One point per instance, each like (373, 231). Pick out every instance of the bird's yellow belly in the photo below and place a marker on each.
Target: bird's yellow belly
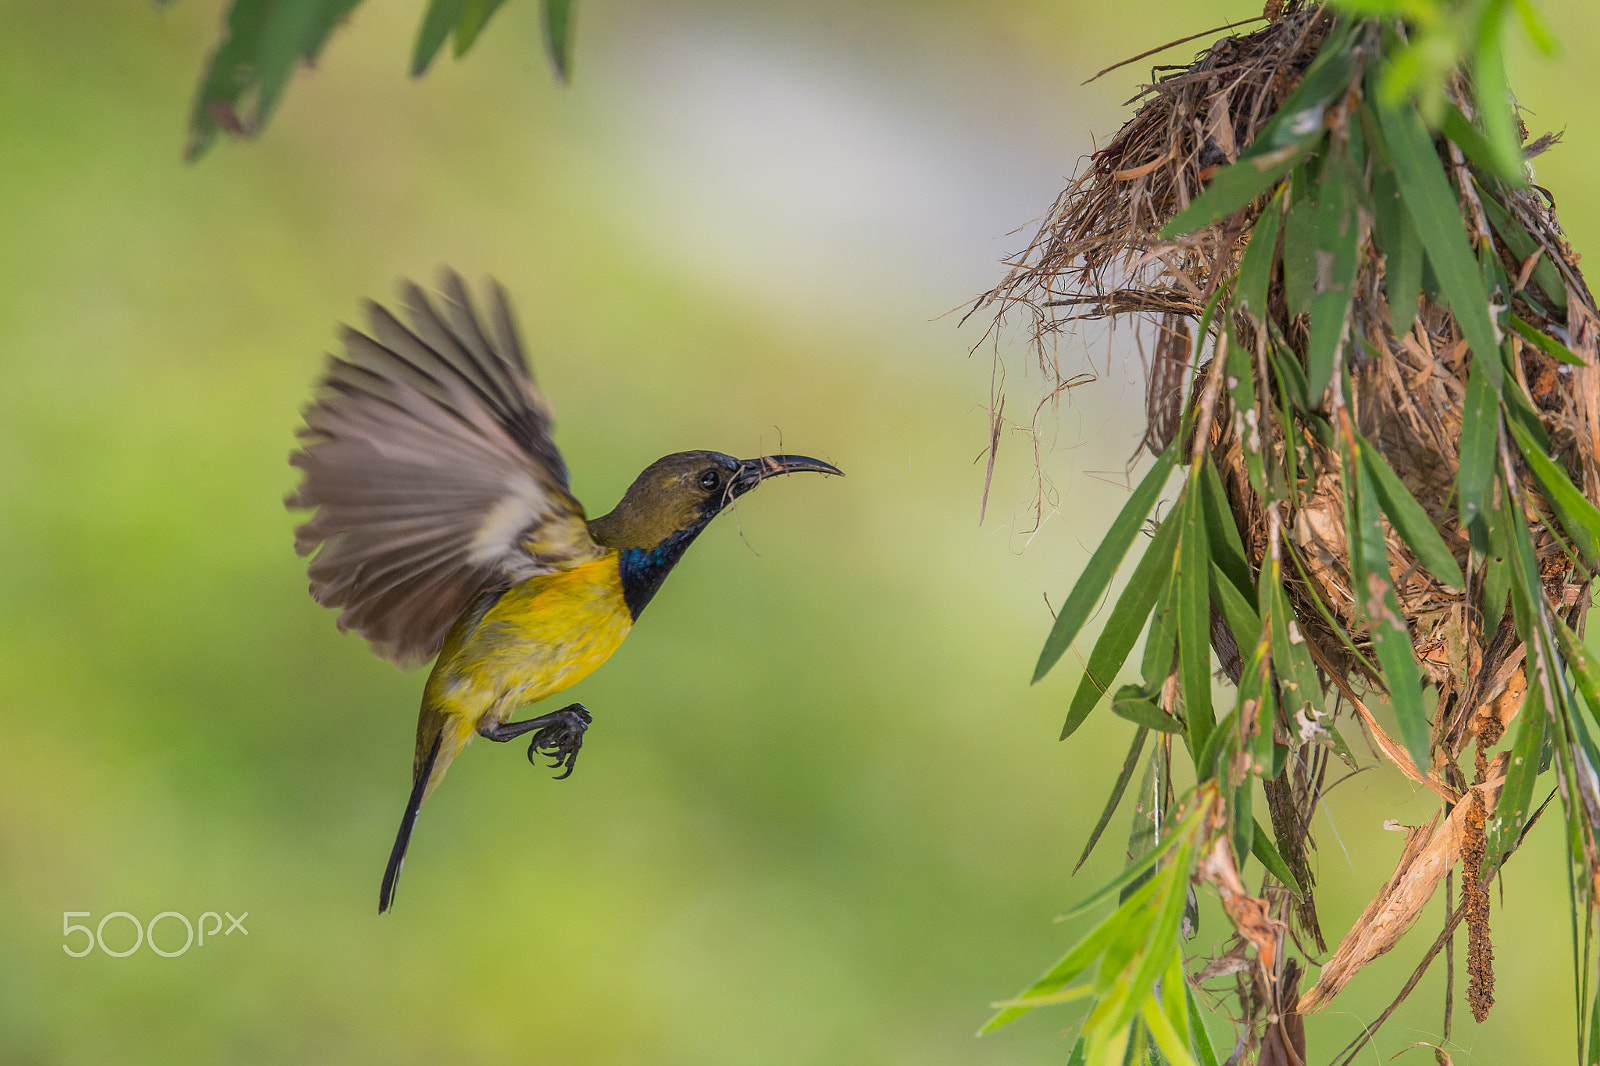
(542, 636)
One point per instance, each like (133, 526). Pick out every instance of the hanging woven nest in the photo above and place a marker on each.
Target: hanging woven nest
(1372, 348)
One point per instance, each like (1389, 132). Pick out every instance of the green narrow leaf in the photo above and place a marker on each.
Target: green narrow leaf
(1103, 563)
(1297, 675)
(1516, 795)
(1122, 628)
(1546, 343)
(1194, 614)
(1583, 666)
(1472, 142)
(1294, 132)
(1519, 408)
(1480, 420)
(1398, 240)
(1333, 283)
(1135, 705)
(1161, 641)
(1546, 279)
(1129, 764)
(472, 21)
(1233, 187)
(1300, 244)
(1237, 611)
(1205, 761)
(434, 29)
(557, 20)
(1135, 870)
(1222, 532)
(1577, 515)
(1333, 624)
(1162, 942)
(1492, 94)
(1409, 519)
(1244, 823)
(1255, 269)
(1431, 202)
(1198, 1037)
(1149, 813)
(1265, 850)
(1387, 626)
(1165, 1034)
(1246, 417)
(1074, 962)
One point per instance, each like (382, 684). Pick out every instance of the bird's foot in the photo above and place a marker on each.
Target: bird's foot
(562, 738)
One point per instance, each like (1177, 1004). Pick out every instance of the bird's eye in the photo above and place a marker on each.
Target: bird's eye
(710, 480)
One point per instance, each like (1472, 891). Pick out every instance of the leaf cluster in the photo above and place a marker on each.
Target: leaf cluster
(265, 40)
(1385, 418)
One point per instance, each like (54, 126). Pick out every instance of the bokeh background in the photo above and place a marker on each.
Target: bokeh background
(822, 818)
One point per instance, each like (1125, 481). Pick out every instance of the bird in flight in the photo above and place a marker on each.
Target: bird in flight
(443, 528)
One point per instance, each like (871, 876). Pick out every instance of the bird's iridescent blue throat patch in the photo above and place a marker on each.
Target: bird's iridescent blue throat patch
(644, 569)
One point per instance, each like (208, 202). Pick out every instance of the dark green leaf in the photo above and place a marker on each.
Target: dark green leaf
(1471, 140)
(1297, 675)
(1519, 409)
(1300, 241)
(434, 29)
(1263, 848)
(1103, 563)
(1294, 132)
(1577, 515)
(1089, 949)
(1198, 1037)
(1480, 419)
(1493, 96)
(1140, 709)
(1546, 343)
(1222, 532)
(1161, 641)
(472, 21)
(1237, 611)
(1194, 614)
(1234, 186)
(1431, 202)
(1246, 416)
(1387, 626)
(1135, 870)
(1129, 764)
(249, 70)
(1333, 283)
(1255, 269)
(1516, 795)
(1582, 664)
(557, 18)
(1333, 624)
(1221, 737)
(1242, 822)
(1402, 250)
(1546, 278)
(1122, 629)
(1410, 520)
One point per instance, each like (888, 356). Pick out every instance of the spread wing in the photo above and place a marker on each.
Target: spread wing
(428, 460)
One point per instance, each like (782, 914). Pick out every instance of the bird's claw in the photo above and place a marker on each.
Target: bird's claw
(561, 740)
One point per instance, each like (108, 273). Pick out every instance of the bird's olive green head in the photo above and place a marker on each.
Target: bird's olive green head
(668, 505)
(682, 492)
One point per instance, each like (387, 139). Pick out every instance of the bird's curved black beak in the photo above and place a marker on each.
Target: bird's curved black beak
(752, 472)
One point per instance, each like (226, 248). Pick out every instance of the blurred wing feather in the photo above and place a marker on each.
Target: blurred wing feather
(428, 460)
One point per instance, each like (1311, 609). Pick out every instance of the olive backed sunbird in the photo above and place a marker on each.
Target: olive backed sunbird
(444, 526)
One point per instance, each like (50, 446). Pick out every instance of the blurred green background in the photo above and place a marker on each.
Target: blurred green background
(822, 817)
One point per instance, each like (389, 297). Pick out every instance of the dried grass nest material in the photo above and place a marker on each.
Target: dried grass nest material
(1098, 255)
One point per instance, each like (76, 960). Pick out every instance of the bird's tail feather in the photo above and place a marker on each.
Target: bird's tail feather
(419, 790)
